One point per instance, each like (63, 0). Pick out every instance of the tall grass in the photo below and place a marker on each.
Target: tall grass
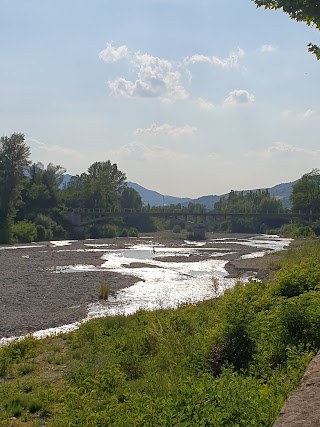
(104, 291)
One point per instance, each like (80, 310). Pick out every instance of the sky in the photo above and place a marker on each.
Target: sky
(187, 97)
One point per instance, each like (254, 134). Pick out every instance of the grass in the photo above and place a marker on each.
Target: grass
(230, 361)
(104, 291)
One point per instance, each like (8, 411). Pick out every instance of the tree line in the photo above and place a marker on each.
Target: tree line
(33, 199)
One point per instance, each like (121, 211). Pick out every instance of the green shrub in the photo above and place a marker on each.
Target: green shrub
(93, 232)
(295, 231)
(176, 229)
(24, 231)
(132, 232)
(41, 233)
(124, 232)
(293, 280)
(300, 319)
(110, 231)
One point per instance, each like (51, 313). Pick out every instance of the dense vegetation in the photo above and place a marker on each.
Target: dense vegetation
(33, 200)
(230, 361)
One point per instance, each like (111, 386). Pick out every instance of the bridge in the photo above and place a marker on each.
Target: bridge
(79, 217)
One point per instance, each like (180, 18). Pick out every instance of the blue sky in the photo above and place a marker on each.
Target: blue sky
(188, 97)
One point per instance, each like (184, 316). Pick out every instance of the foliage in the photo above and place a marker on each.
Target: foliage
(307, 11)
(132, 232)
(176, 228)
(23, 232)
(14, 157)
(104, 291)
(258, 202)
(109, 231)
(130, 199)
(305, 196)
(295, 231)
(41, 233)
(100, 187)
(124, 232)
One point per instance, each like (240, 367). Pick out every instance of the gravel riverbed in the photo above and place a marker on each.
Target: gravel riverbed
(33, 297)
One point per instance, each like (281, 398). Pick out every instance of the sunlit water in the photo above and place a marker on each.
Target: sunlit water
(161, 284)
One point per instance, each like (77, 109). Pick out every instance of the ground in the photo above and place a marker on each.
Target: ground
(33, 298)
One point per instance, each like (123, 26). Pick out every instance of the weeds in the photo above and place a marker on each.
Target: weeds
(104, 291)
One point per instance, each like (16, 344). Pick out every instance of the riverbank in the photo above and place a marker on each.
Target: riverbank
(33, 297)
(226, 361)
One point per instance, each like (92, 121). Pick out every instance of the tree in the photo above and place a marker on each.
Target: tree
(41, 191)
(14, 158)
(307, 11)
(106, 182)
(101, 187)
(130, 199)
(305, 196)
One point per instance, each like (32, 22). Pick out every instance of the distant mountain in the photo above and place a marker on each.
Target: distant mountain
(156, 199)
(153, 198)
(280, 191)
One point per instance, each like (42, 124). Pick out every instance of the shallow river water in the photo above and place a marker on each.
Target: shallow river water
(165, 281)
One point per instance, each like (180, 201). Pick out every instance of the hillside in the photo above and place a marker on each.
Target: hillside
(153, 198)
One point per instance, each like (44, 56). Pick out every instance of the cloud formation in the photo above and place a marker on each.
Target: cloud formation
(204, 104)
(231, 61)
(157, 77)
(111, 54)
(282, 148)
(239, 97)
(302, 115)
(166, 129)
(54, 148)
(268, 48)
(137, 151)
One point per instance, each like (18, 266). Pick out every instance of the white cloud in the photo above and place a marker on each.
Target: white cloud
(204, 104)
(302, 115)
(239, 97)
(268, 48)
(166, 129)
(137, 151)
(231, 61)
(54, 148)
(111, 54)
(282, 148)
(157, 77)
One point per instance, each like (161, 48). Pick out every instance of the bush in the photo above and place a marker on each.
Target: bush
(132, 232)
(300, 318)
(41, 233)
(93, 232)
(295, 231)
(110, 231)
(124, 232)
(176, 229)
(24, 231)
(53, 230)
(296, 279)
